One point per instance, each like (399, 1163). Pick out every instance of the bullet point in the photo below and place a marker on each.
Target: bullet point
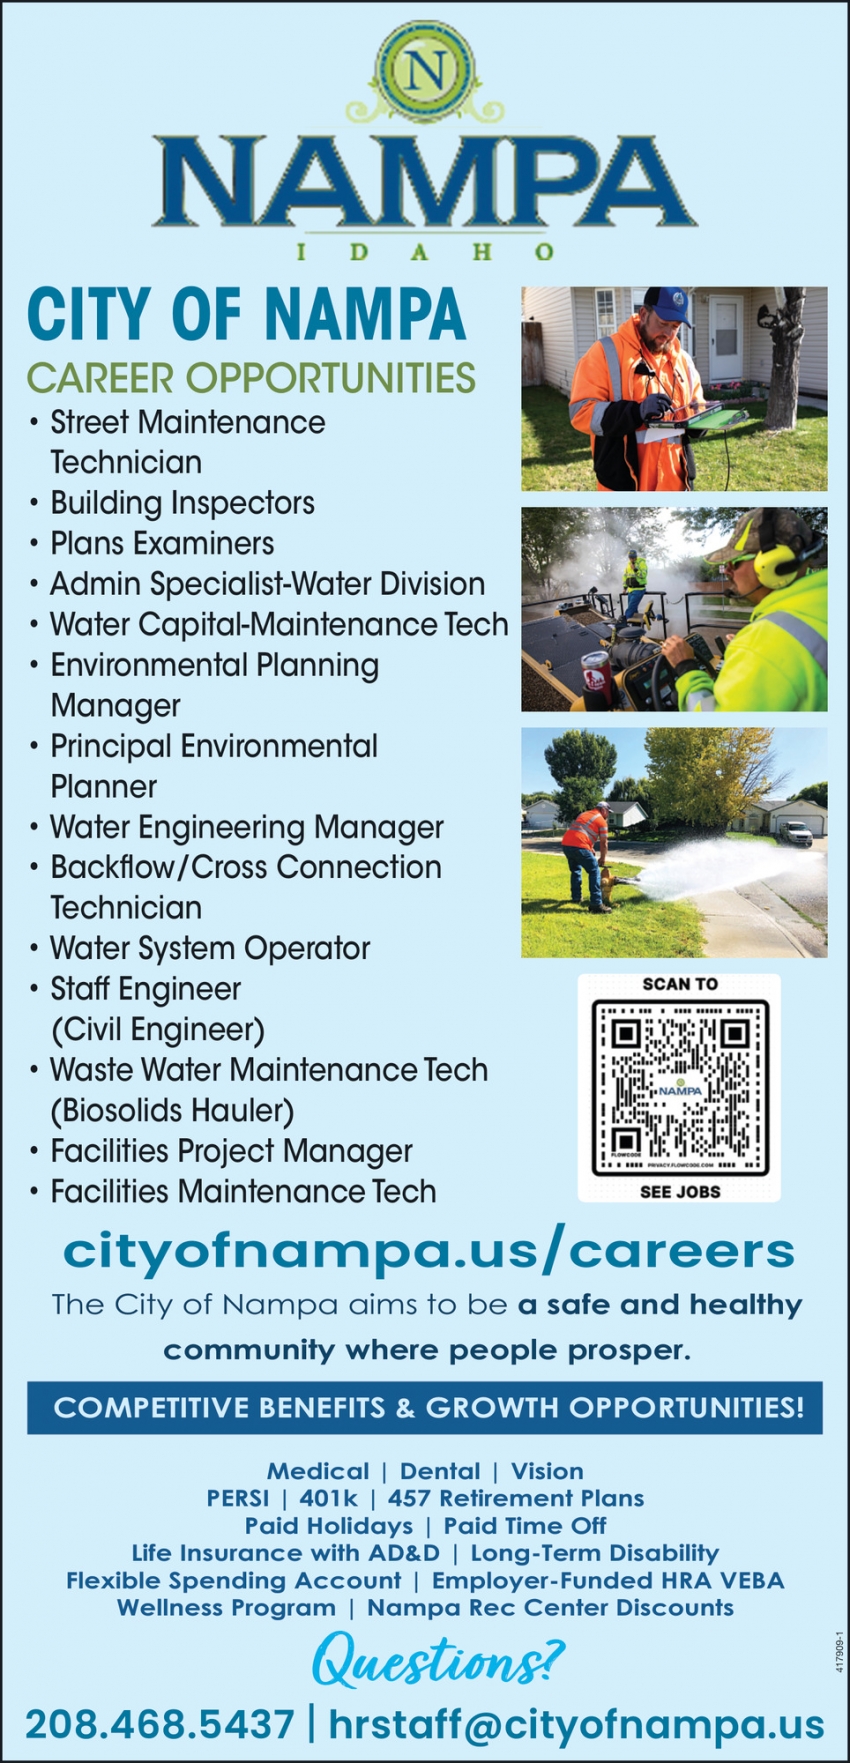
(33, 1068)
(33, 945)
(33, 743)
(33, 866)
(33, 581)
(33, 826)
(33, 1150)
(33, 988)
(33, 1190)
(33, 541)
(33, 623)
(34, 422)
(33, 664)
(33, 501)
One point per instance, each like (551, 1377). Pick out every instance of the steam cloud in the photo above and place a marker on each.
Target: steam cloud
(582, 570)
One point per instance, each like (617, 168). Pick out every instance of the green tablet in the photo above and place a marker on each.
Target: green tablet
(718, 419)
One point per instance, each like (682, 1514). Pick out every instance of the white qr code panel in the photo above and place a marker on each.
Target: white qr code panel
(678, 1095)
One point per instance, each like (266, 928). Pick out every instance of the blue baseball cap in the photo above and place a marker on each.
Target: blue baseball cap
(669, 304)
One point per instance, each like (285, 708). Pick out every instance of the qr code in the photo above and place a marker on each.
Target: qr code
(678, 1090)
(681, 1087)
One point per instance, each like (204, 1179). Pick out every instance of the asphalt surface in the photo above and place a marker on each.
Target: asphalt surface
(801, 889)
(769, 919)
(804, 882)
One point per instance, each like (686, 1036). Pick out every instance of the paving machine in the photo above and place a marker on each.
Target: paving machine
(641, 677)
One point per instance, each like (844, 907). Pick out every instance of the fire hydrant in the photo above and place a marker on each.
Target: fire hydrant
(610, 881)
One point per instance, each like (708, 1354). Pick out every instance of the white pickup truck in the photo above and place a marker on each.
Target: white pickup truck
(794, 832)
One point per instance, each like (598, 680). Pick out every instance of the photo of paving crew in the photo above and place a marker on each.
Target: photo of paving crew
(634, 585)
(779, 660)
(741, 625)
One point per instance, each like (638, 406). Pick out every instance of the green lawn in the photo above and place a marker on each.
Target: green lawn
(552, 926)
(555, 456)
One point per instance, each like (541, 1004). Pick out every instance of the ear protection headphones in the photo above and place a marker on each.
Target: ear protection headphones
(774, 567)
(776, 563)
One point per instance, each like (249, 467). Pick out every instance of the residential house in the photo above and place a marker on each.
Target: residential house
(540, 816)
(768, 815)
(622, 814)
(726, 340)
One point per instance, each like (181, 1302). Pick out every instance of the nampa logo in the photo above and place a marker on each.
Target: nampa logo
(425, 71)
(679, 1089)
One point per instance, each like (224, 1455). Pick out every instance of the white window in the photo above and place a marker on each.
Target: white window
(606, 321)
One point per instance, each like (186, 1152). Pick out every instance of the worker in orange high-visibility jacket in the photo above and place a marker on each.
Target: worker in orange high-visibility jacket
(624, 392)
(578, 842)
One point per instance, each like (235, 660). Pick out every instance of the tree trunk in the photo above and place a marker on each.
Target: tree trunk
(787, 335)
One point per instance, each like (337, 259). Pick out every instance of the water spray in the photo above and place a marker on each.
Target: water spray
(703, 866)
(707, 866)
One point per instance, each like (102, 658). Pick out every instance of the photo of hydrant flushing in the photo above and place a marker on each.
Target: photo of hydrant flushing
(684, 612)
(671, 841)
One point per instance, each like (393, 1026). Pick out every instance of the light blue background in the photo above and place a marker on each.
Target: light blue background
(747, 110)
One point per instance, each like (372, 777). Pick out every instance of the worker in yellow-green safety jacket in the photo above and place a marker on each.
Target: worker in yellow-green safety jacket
(778, 661)
(634, 587)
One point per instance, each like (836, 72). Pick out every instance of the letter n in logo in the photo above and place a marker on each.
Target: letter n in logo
(425, 71)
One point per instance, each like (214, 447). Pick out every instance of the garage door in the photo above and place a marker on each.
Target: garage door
(814, 822)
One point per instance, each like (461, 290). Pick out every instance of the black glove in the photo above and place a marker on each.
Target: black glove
(657, 404)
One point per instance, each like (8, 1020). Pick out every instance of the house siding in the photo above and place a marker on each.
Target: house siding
(699, 346)
(553, 308)
(541, 816)
(632, 816)
(814, 355)
(758, 355)
(813, 352)
(585, 314)
(585, 319)
(568, 317)
(769, 820)
(800, 809)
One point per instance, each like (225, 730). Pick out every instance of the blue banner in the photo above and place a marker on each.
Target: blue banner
(717, 1409)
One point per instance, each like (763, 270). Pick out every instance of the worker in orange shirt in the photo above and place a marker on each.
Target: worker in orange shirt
(578, 842)
(624, 391)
